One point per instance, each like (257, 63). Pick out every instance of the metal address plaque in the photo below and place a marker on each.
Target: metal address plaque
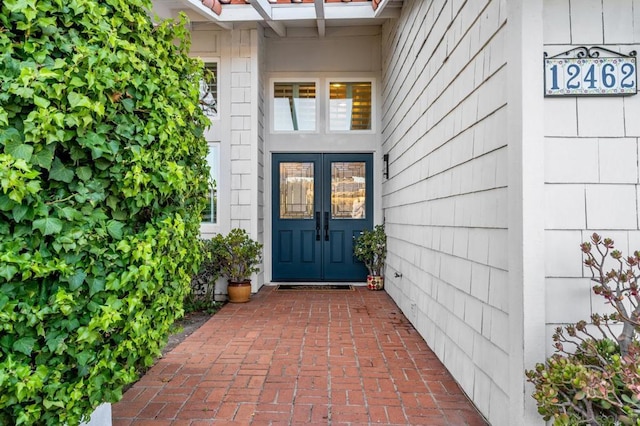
(584, 72)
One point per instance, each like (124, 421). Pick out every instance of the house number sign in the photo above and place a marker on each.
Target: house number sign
(588, 72)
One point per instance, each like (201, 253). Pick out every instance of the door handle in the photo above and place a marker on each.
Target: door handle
(326, 226)
(317, 226)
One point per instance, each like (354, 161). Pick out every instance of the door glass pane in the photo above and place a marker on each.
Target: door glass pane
(296, 191)
(349, 106)
(348, 190)
(294, 106)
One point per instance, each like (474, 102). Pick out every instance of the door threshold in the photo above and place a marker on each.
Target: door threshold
(315, 283)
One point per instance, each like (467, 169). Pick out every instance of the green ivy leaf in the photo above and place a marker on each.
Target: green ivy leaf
(78, 100)
(76, 280)
(7, 271)
(96, 286)
(48, 226)
(69, 213)
(60, 172)
(19, 211)
(54, 340)
(114, 228)
(24, 345)
(41, 102)
(84, 173)
(44, 157)
(12, 141)
(6, 203)
(19, 150)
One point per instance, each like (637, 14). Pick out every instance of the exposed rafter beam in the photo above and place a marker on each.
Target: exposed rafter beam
(319, 8)
(319, 4)
(263, 7)
(202, 10)
(321, 27)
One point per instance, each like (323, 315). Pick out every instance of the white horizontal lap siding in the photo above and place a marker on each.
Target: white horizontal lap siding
(443, 118)
(591, 158)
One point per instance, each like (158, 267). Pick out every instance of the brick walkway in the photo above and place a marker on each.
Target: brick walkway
(286, 358)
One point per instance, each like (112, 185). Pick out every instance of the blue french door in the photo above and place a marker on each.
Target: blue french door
(320, 203)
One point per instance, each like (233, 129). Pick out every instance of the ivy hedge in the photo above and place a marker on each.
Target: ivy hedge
(102, 181)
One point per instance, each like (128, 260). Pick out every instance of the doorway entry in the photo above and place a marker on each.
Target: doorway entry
(320, 203)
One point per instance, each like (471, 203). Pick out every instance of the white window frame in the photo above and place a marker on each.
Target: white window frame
(294, 80)
(208, 225)
(327, 108)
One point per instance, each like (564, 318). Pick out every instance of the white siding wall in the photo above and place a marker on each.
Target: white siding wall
(591, 158)
(260, 127)
(247, 143)
(239, 129)
(445, 203)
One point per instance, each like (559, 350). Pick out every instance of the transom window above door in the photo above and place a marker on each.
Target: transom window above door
(323, 105)
(294, 107)
(349, 106)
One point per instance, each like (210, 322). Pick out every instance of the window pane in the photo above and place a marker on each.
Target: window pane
(210, 212)
(294, 106)
(348, 184)
(296, 190)
(349, 106)
(209, 90)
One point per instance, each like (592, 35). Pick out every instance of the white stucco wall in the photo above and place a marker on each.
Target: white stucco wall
(591, 158)
(444, 126)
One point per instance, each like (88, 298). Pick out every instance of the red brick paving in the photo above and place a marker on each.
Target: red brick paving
(312, 358)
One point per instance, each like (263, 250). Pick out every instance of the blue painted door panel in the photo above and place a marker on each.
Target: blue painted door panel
(320, 203)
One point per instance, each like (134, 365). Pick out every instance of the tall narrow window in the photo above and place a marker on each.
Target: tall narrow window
(209, 90)
(210, 213)
(294, 107)
(349, 106)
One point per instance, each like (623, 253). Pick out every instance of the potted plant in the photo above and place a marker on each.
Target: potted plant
(371, 248)
(239, 256)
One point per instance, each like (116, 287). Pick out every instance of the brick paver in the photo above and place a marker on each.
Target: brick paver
(287, 358)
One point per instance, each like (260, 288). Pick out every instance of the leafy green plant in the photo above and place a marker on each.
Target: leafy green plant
(201, 296)
(371, 248)
(594, 376)
(102, 183)
(239, 254)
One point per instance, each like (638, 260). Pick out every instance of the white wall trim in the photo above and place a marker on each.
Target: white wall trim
(526, 201)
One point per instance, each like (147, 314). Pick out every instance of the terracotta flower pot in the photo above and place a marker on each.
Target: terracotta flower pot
(239, 292)
(375, 282)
